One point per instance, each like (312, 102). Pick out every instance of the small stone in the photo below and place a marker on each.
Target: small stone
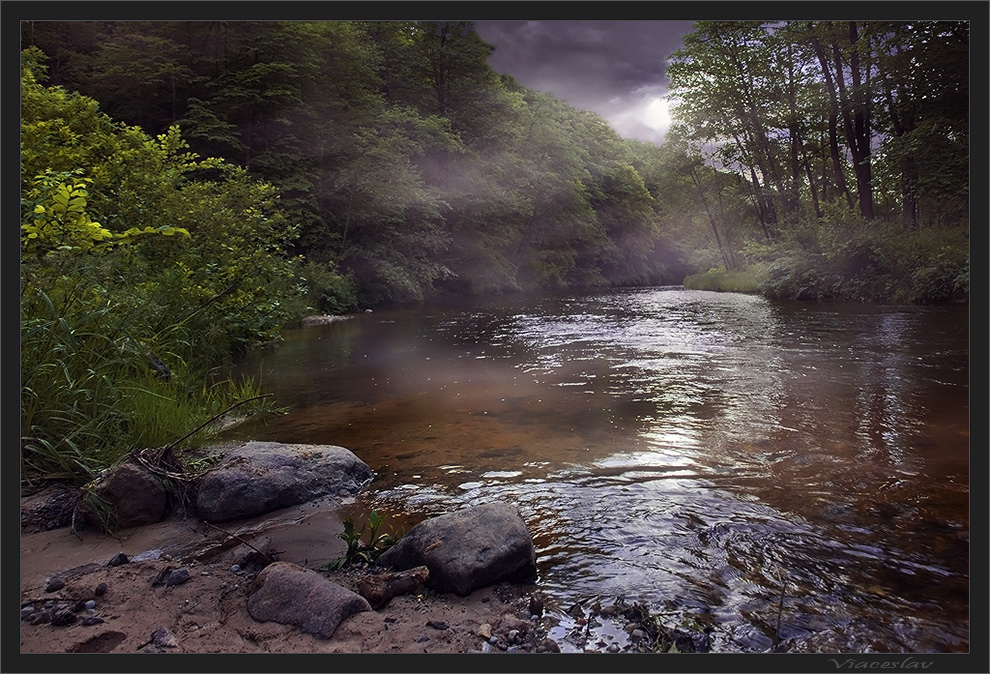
(550, 645)
(436, 624)
(485, 631)
(100, 590)
(235, 568)
(512, 649)
(54, 585)
(79, 606)
(147, 556)
(638, 634)
(26, 612)
(613, 648)
(118, 559)
(177, 577)
(513, 636)
(40, 618)
(493, 640)
(89, 621)
(163, 638)
(90, 604)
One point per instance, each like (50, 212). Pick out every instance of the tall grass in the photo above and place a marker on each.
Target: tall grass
(89, 395)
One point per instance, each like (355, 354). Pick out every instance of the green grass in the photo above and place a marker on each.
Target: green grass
(723, 280)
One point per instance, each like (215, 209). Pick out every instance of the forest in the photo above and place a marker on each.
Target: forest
(189, 189)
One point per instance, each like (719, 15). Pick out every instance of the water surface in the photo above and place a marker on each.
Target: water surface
(701, 452)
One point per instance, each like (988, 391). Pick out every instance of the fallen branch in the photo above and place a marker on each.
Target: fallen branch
(267, 557)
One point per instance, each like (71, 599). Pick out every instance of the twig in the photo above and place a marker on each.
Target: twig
(780, 609)
(215, 417)
(265, 555)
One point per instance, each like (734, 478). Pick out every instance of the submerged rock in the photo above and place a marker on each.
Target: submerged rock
(468, 549)
(260, 477)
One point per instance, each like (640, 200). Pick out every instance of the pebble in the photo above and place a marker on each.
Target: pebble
(613, 648)
(234, 568)
(493, 640)
(163, 638)
(90, 604)
(177, 577)
(26, 612)
(118, 559)
(54, 585)
(88, 621)
(100, 590)
(513, 636)
(485, 631)
(147, 556)
(638, 634)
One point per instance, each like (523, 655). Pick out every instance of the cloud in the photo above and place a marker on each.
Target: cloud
(614, 68)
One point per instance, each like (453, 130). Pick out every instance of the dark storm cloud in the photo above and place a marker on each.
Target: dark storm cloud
(614, 68)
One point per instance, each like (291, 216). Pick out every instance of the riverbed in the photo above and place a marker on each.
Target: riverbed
(783, 471)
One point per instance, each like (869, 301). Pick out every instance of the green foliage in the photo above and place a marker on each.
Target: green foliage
(328, 292)
(140, 261)
(359, 551)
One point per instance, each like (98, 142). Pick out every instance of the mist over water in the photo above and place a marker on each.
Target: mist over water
(694, 450)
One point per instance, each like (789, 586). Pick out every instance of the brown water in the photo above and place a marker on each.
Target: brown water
(689, 449)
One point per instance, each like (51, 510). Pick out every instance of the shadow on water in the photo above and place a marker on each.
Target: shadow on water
(684, 448)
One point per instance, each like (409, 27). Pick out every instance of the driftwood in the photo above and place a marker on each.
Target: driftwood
(380, 588)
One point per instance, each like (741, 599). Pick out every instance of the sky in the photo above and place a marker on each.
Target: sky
(614, 68)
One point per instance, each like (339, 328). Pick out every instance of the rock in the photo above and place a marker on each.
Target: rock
(437, 624)
(380, 588)
(118, 559)
(536, 602)
(468, 549)
(163, 638)
(135, 496)
(54, 585)
(259, 477)
(148, 556)
(292, 595)
(485, 631)
(100, 590)
(177, 577)
(549, 646)
(511, 623)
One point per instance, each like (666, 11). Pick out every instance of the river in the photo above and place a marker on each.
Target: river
(714, 454)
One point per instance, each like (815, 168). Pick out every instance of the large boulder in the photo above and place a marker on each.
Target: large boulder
(259, 477)
(468, 549)
(133, 497)
(292, 595)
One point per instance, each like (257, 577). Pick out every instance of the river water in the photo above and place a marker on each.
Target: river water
(788, 471)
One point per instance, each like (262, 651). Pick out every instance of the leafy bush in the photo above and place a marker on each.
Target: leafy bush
(143, 267)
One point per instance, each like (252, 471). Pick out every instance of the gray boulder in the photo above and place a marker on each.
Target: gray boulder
(468, 549)
(292, 595)
(259, 477)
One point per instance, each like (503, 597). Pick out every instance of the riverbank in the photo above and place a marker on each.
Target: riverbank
(79, 595)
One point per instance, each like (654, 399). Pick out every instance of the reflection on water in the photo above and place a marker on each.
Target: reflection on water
(670, 445)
